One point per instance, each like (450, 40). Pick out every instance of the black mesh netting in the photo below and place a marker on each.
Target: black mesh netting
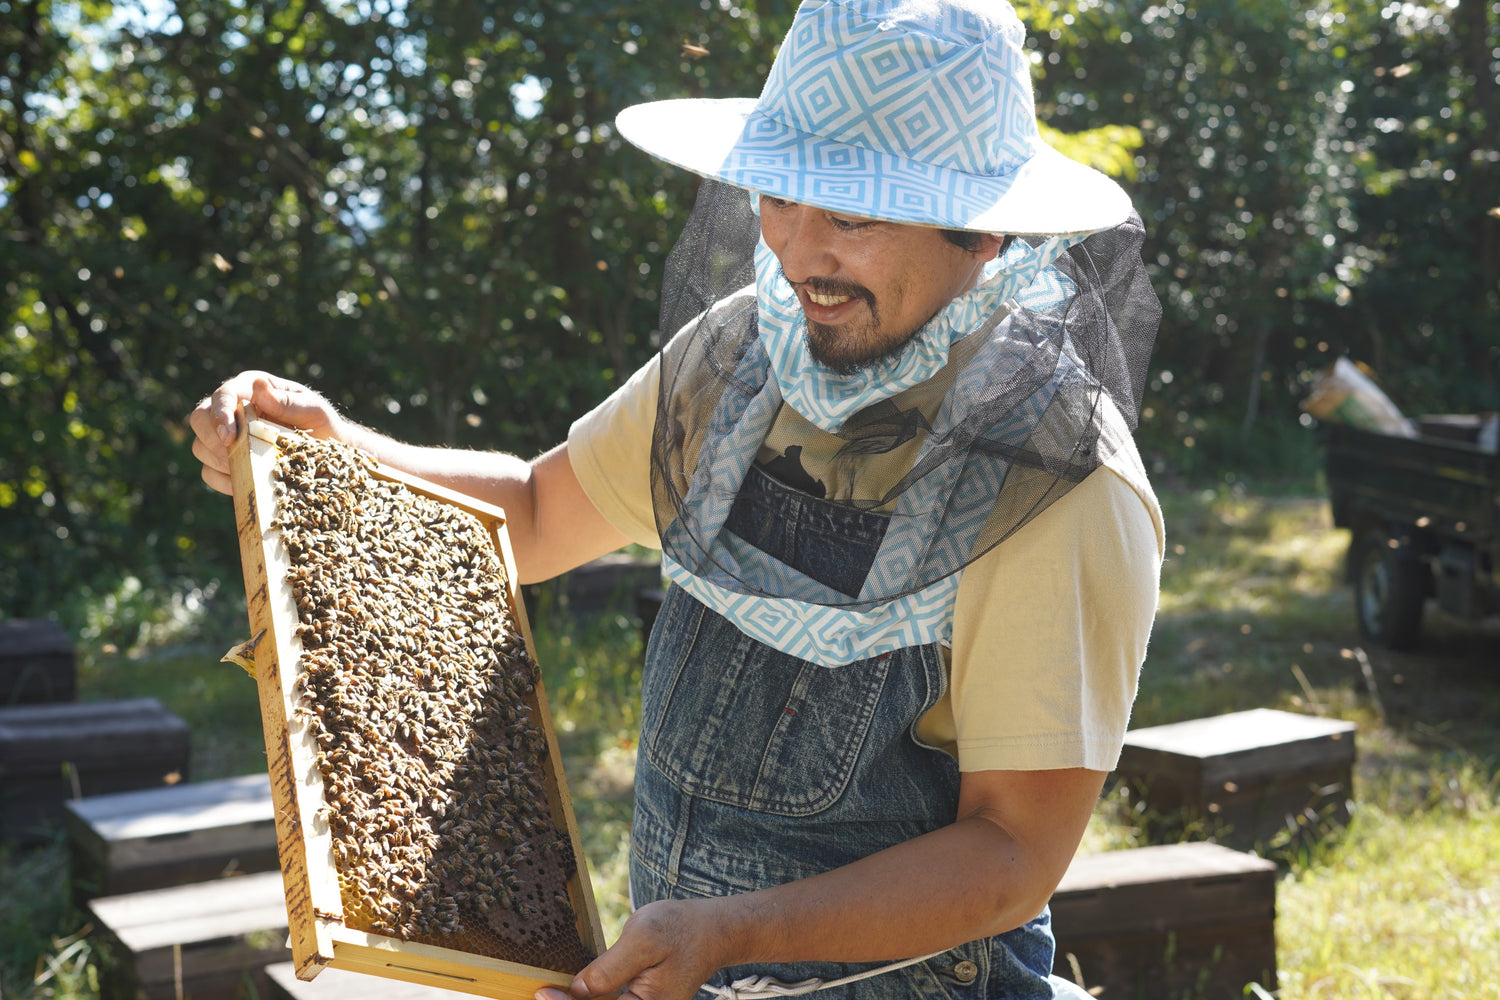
(1034, 425)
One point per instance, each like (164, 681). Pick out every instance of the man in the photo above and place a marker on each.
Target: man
(914, 554)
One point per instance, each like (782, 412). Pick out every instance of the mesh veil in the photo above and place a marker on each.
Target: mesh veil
(1030, 423)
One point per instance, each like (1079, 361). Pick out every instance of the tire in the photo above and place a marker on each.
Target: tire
(1390, 587)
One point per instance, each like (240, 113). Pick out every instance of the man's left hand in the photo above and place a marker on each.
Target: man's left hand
(666, 950)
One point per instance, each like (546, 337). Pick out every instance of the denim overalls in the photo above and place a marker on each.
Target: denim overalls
(757, 768)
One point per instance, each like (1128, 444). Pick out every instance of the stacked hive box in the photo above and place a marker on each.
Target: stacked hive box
(1248, 780)
(51, 753)
(159, 837)
(1174, 920)
(36, 662)
(207, 940)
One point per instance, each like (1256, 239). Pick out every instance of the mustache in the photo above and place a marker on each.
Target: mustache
(833, 286)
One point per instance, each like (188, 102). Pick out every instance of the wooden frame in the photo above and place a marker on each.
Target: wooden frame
(319, 936)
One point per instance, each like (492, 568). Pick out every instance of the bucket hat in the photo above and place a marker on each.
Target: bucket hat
(912, 111)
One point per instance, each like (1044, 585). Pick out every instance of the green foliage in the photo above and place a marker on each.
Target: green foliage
(424, 210)
(421, 208)
(1208, 447)
(35, 962)
(1427, 303)
(1314, 181)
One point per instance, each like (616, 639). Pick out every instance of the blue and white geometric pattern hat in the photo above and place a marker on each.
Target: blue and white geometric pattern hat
(914, 111)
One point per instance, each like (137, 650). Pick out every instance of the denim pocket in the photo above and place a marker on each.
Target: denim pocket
(737, 722)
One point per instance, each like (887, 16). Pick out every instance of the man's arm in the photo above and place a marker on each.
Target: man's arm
(991, 870)
(552, 525)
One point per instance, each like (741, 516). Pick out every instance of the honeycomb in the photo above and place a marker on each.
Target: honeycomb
(420, 696)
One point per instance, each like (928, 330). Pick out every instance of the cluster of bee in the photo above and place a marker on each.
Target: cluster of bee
(419, 693)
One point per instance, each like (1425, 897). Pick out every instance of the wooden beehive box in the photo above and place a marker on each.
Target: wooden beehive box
(1174, 920)
(36, 662)
(445, 852)
(160, 837)
(203, 941)
(1247, 779)
(50, 753)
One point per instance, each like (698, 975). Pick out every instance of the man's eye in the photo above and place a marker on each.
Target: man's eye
(849, 225)
(773, 202)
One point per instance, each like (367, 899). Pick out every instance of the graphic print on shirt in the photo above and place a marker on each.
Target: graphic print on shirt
(787, 469)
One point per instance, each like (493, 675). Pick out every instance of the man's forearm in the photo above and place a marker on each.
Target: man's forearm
(990, 871)
(494, 477)
(963, 882)
(551, 523)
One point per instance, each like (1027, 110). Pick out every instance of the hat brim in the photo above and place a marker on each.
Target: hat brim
(1049, 194)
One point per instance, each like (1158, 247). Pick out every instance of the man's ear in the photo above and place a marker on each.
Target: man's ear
(991, 246)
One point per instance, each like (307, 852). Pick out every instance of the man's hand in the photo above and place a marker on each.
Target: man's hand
(666, 950)
(278, 399)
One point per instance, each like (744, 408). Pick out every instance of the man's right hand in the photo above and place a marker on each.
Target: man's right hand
(286, 402)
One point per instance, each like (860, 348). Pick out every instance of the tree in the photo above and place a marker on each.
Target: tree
(1427, 292)
(421, 207)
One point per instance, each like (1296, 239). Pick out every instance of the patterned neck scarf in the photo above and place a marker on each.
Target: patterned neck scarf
(827, 398)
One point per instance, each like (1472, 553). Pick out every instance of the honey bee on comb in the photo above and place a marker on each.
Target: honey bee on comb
(416, 686)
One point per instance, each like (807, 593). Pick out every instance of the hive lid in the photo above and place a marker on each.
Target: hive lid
(177, 809)
(32, 636)
(200, 912)
(1240, 732)
(107, 734)
(1160, 863)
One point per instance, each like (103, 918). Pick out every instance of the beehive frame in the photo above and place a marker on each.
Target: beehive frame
(319, 935)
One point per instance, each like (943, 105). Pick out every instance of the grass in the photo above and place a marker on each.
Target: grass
(1405, 907)
(1405, 903)
(592, 674)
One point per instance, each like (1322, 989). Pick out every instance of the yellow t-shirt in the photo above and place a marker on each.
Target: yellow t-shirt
(1050, 627)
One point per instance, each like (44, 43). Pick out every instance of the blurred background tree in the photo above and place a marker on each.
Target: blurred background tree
(421, 207)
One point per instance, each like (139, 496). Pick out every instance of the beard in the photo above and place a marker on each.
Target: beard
(851, 348)
(835, 349)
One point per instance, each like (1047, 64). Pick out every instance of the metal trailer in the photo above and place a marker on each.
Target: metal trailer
(1422, 513)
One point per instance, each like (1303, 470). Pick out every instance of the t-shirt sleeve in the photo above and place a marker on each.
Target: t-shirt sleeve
(610, 451)
(1050, 630)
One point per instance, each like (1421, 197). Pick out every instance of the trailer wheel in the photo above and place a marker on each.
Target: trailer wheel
(1390, 587)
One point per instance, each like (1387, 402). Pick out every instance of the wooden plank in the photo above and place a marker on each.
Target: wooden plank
(309, 881)
(320, 937)
(340, 984)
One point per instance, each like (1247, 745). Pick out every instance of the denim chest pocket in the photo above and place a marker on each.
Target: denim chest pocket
(734, 721)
